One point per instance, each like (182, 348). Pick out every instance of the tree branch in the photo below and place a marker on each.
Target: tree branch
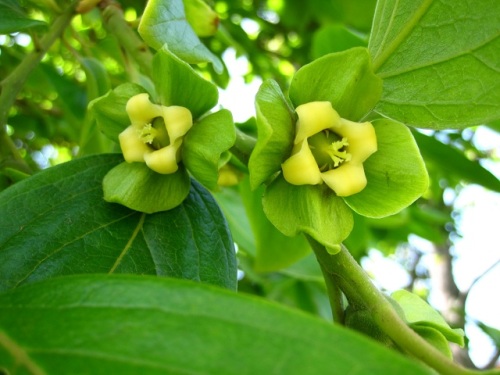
(344, 271)
(14, 82)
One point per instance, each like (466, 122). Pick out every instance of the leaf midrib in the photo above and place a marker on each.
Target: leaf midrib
(380, 59)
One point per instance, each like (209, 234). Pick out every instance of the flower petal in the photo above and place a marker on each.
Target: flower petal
(313, 118)
(348, 179)
(141, 111)
(178, 120)
(361, 137)
(164, 160)
(133, 148)
(301, 168)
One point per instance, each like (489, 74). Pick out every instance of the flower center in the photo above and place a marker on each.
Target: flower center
(155, 134)
(329, 150)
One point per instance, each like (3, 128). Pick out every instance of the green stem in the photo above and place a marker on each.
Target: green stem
(335, 297)
(343, 270)
(11, 85)
(243, 146)
(116, 24)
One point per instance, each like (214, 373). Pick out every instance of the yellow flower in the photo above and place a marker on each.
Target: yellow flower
(155, 134)
(329, 149)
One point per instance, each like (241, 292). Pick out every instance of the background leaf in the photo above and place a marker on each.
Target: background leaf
(440, 61)
(493, 333)
(13, 18)
(455, 162)
(56, 223)
(131, 325)
(334, 38)
(164, 24)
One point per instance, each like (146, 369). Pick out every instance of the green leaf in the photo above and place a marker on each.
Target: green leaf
(164, 25)
(13, 18)
(276, 131)
(440, 61)
(109, 110)
(231, 204)
(274, 250)
(97, 78)
(139, 188)
(204, 144)
(142, 325)
(358, 14)
(311, 209)
(418, 312)
(454, 162)
(345, 79)
(178, 84)
(56, 223)
(435, 338)
(396, 173)
(334, 38)
(493, 333)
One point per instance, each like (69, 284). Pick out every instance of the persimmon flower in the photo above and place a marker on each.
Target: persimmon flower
(329, 149)
(155, 134)
(168, 140)
(318, 165)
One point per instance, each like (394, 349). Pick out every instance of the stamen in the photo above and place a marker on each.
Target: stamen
(148, 133)
(335, 153)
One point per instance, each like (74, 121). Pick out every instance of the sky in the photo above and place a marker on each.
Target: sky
(476, 251)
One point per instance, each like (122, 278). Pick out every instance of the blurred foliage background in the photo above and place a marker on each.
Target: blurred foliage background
(49, 124)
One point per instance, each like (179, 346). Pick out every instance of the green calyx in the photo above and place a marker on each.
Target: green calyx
(293, 146)
(329, 149)
(163, 134)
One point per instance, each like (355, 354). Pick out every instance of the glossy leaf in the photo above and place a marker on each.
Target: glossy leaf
(452, 161)
(345, 79)
(56, 223)
(204, 144)
(276, 131)
(131, 325)
(440, 61)
(311, 209)
(396, 173)
(164, 25)
(178, 84)
(274, 250)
